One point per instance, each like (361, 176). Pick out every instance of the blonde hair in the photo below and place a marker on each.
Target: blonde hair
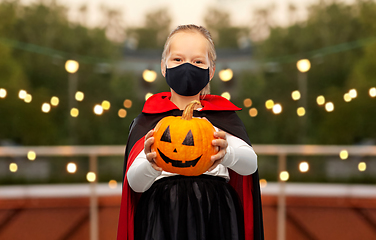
(204, 32)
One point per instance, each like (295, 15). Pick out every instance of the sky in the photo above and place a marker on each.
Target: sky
(186, 11)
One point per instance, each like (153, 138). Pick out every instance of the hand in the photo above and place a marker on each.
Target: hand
(150, 155)
(221, 144)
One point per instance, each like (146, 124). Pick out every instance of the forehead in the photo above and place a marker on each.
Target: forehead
(187, 41)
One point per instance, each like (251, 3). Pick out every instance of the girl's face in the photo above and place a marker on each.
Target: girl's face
(188, 47)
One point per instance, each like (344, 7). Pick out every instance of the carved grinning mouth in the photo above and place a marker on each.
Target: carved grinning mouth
(179, 164)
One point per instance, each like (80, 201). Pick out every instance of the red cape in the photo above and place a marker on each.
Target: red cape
(246, 186)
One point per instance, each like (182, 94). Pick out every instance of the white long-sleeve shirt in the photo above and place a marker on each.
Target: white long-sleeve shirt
(239, 157)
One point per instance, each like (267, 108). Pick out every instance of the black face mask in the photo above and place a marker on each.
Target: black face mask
(187, 79)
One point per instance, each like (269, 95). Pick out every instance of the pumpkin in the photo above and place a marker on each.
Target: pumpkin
(184, 144)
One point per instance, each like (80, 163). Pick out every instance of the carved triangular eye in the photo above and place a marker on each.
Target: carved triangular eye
(188, 140)
(166, 136)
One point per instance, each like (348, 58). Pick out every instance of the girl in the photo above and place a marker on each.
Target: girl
(223, 203)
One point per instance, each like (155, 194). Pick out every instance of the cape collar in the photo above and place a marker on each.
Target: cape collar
(160, 102)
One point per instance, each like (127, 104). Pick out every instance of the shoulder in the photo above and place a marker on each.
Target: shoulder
(217, 103)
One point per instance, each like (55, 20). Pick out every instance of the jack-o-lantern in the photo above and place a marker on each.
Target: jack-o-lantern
(184, 144)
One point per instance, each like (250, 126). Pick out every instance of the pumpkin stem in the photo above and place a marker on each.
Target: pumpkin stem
(188, 111)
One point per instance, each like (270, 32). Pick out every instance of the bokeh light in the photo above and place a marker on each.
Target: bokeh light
(347, 97)
(320, 100)
(247, 102)
(22, 94)
(284, 176)
(91, 176)
(277, 108)
(71, 66)
(98, 109)
(226, 95)
(269, 104)
(106, 105)
(122, 113)
(303, 65)
(28, 98)
(46, 107)
(253, 112)
(263, 183)
(344, 154)
(353, 93)
(226, 74)
(301, 111)
(31, 155)
(127, 103)
(149, 75)
(79, 96)
(362, 166)
(112, 184)
(295, 95)
(304, 167)
(74, 112)
(147, 96)
(372, 92)
(54, 101)
(329, 107)
(13, 167)
(71, 167)
(3, 92)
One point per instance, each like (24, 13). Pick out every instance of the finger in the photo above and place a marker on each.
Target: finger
(151, 156)
(221, 143)
(220, 134)
(155, 166)
(147, 145)
(149, 134)
(216, 163)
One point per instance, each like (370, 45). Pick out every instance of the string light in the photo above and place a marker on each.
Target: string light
(112, 184)
(226, 74)
(22, 94)
(98, 109)
(320, 100)
(71, 66)
(122, 113)
(329, 107)
(344, 154)
(247, 102)
(54, 101)
(3, 93)
(301, 111)
(79, 96)
(295, 95)
(269, 104)
(303, 65)
(46, 107)
(28, 98)
(91, 176)
(31, 155)
(362, 166)
(347, 97)
(353, 93)
(277, 108)
(106, 105)
(284, 176)
(71, 167)
(372, 92)
(13, 167)
(74, 112)
(253, 112)
(303, 167)
(226, 95)
(127, 103)
(147, 96)
(263, 183)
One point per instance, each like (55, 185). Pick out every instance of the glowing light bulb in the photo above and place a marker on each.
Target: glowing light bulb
(71, 167)
(253, 112)
(303, 65)
(13, 167)
(91, 176)
(122, 113)
(372, 92)
(362, 166)
(277, 108)
(149, 75)
(263, 183)
(127, 103)
(54, 101)
(112, 184)
(284, 176)
(269, 104)
(320, 100)
(28, 98)
(295, 95)
(301, 111)
(106, 105)
(46, 107)
(226, 95)
(98, 109)
(353, 93)
(303, 167)
(3, 93)
(31, 155)
(22, 94)
(79, 96)
(347, 97)
(226, 74)
(71, 66)
(147, 96)
(74, 112)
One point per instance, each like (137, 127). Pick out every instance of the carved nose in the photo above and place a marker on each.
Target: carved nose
(175, 150)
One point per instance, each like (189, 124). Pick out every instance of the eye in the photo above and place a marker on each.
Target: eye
(198, 62)
(188, 140)
(177, 59)
(166, 136)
